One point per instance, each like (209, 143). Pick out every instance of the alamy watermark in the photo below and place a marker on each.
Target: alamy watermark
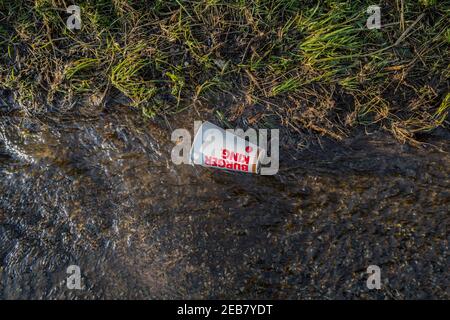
(374, 20)
(73, 281)
(374, 279)
(74, 21)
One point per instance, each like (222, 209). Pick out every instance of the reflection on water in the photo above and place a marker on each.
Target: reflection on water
(102, 193)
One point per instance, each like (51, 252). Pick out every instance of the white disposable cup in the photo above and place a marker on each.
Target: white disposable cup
(221, 149)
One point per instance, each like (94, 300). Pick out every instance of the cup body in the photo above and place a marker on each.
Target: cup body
(221, 149)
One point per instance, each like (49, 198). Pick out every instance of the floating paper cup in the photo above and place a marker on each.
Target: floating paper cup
(215, 147)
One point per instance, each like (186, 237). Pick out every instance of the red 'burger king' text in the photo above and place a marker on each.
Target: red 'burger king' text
(230, 160)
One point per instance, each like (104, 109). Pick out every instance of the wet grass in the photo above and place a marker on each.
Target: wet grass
(312, 65)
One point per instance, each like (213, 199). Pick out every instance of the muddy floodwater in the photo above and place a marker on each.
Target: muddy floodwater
(100, 191)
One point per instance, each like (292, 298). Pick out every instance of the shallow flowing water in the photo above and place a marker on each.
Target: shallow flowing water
(101, 192)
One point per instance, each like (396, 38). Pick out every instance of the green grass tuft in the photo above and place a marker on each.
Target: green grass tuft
(314, 64)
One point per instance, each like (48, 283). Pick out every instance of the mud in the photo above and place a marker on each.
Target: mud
(101, 192)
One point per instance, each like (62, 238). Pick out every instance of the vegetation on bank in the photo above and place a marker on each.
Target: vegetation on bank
(309, 65)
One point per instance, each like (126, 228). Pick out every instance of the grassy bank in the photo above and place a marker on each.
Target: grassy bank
(310, 65)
